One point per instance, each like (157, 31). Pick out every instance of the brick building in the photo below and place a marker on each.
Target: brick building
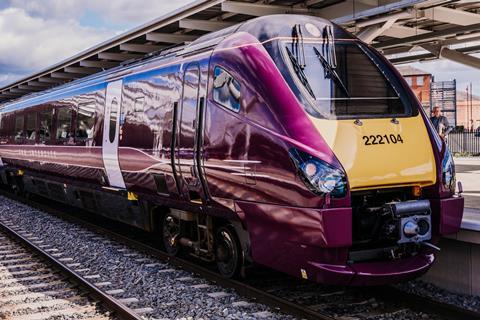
(468, 113)
(420, 82)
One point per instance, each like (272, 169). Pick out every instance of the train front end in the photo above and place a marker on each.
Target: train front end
(385, 178)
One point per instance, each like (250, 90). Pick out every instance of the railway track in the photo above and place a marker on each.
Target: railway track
(291, 296)
(37, 283)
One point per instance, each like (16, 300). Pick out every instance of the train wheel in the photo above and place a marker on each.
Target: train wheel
(227, 252)
(171, 234)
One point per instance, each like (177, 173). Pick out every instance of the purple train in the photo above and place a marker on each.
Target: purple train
(283, 141)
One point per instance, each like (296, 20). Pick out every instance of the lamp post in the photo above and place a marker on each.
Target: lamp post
(471, 106)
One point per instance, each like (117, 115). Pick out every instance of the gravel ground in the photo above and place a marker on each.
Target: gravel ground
(29, 288)
(171, 293)
(429, 290)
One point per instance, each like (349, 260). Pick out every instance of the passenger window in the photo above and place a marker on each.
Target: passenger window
(19, 125)
(64, 118)
(139, 105)
(85, 121)
(113, 120)
(32, 126)
(45, 127)
(226, 90)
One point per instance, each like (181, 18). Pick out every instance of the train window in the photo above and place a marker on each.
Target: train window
(64, 118)
(85, 121)
(113, 120)
(32, 126)
(19, 127)
(139, 105)
(45, 127)
(344, 81)
(226, 90)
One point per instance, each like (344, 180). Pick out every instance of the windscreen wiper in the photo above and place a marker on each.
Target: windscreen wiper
(298, 46)
(299, 71)
(331, 73)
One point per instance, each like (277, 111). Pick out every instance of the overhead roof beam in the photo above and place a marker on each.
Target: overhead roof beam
(170, 37)
(30, 88)
(430, 55)
(38, 84)
(143, 48)
(396, 16)
(430, 36)
(420, 57)
(344, 10)
(17, 90)
(399, 31)
(8, 94)
(98, 64)
(118, 56)
(65, 75)
(258, 9)
(453, 16)
(370, 33)
(50, 80)
(81, 70)
(204, 25)
(363, 11)
(453, 55)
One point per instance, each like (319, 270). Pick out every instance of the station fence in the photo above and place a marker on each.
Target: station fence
(464, 142)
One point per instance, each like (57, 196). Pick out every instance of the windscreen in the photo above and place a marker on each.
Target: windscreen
(342, 80)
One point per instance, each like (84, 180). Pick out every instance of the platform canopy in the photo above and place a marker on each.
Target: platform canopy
(404, 30)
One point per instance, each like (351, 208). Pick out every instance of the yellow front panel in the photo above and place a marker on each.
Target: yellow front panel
(381, 165)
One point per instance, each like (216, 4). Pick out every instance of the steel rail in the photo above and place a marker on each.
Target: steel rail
(260, 296)
(109, 302)
(385, 293)
(425, 304)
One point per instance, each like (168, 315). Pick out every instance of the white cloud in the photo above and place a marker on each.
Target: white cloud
(118, 11)
(37, 34)
(135, 11)
(49, 9)
(32, 43)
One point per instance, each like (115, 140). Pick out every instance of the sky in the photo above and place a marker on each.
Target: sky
(34, 34)
(445, 70)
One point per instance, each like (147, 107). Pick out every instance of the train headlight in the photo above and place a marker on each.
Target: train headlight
(319, 176)
(448, 171)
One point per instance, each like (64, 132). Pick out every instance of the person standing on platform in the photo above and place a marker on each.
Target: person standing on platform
(440, 123)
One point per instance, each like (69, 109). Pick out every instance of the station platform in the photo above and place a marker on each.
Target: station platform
(458, 262)
(468, 172)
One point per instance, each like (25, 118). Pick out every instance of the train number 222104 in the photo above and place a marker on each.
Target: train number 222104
(379, 139)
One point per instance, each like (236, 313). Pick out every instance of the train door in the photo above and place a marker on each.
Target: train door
(111, 127)
(186, 146)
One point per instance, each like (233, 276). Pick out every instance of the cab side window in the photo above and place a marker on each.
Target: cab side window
(32, 126)
(226, 89)
(85, 121)
(64, 117)
(45, 127)
(19, 127)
